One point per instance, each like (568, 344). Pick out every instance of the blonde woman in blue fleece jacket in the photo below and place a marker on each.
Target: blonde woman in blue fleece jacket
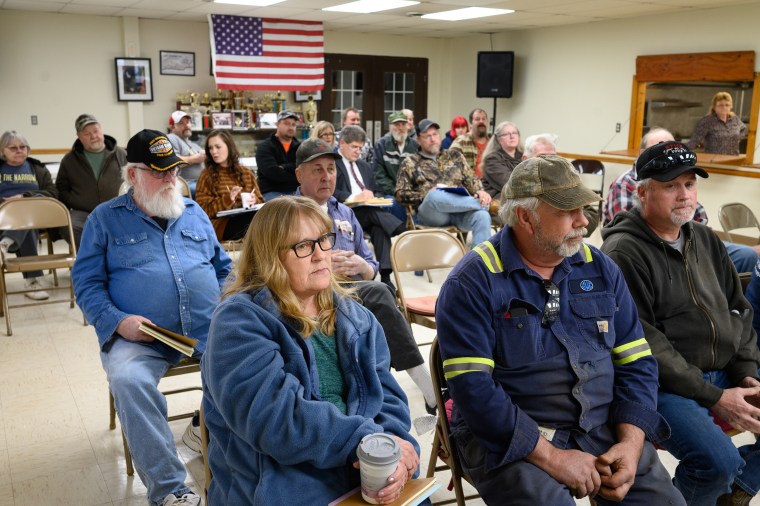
(296, 372)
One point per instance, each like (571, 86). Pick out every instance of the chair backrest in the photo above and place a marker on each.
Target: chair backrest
(447, 448)
(184, 188)
(592, 173)
(418, 250)
(735, 216)
(33, 212)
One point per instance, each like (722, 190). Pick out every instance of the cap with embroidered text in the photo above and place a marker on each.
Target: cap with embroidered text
(666, 161)
(152, 148)
(551, 179)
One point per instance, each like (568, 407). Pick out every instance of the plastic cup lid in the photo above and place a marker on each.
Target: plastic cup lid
(378, 449)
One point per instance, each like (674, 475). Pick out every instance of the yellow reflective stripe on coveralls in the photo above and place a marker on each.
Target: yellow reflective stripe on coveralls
(631, 352)
(489, 255)
(456, 366)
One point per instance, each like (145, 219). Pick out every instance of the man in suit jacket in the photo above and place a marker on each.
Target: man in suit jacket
(356, 182)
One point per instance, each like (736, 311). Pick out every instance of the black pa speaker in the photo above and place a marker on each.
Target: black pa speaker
(495, 72)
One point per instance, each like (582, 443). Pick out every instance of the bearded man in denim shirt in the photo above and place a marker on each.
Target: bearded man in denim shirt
(149, 256)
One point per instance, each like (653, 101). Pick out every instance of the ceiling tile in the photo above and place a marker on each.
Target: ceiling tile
(91, 10)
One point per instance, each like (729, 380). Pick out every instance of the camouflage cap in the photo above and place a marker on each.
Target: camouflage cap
(551, 179)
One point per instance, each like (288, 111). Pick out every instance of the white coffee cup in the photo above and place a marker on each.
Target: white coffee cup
(246, 198)
(378, 458)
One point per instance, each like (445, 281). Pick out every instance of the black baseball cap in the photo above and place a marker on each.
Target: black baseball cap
(314, 148)
(152, 148)
(427, 124)
(666, 161)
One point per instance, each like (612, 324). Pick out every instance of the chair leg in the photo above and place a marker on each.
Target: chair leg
(6, 309)
(127, 455)
(111, 411)
(433, 455)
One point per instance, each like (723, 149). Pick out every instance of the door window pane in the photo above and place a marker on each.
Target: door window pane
(398, 93)
(348, 91)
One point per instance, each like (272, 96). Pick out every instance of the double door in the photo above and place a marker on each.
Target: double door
(376, 85)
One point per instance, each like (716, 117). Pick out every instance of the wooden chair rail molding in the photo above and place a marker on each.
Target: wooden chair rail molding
(713, 168)
(54, 151)
(721, 67)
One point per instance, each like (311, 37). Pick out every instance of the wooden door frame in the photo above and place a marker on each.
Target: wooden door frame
(375, 66)
(719, 67)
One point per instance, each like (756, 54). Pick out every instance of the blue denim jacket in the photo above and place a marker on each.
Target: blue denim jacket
(128, 265)
(509, 374)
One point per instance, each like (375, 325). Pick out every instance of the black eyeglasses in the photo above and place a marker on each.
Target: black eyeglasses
(667, 161)
(551, 308)
(305, 248)
(161, 174)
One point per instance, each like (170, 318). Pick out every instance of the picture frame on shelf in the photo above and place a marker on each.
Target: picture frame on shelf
(134, 82)
(240, 120)
(303, 96)
(177, 63)
(267, 120)
(221, 120)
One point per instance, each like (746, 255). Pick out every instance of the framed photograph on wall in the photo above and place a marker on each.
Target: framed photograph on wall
(177, 63)
(133, 79)
(303, 96)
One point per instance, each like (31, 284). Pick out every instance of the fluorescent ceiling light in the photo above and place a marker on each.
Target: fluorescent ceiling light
(368, 6)
(467, 13)
(252, 3)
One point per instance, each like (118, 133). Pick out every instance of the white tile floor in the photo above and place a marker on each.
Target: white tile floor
(55, 445)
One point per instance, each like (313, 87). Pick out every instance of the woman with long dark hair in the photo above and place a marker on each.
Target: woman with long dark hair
(222, 182)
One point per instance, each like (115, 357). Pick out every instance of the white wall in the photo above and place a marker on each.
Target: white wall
(68, 69)
(573, 80)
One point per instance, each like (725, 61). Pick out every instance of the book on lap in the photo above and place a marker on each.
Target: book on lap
(183, 344)
(415, 491)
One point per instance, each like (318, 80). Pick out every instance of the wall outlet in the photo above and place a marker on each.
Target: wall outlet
(617, 128)
(34, 119)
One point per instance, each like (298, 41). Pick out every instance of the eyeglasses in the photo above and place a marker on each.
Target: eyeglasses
(18, 148)
(430, 136)
(508, 134)
(551, 308)
(305, 248)
(161, 174)
(667, 161)
(327, 135)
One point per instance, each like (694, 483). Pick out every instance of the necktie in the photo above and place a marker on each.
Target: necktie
(356, 176)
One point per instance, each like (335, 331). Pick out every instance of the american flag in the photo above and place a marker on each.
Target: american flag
(267, 54)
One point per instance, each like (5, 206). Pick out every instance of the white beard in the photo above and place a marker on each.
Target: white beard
(163, 204)
(399, 137)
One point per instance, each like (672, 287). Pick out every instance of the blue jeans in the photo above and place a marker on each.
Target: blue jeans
(133, 372)
(743, 256)
(709, 461)
(440, 209)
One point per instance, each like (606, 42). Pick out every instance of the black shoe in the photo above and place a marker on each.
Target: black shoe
(431, 410)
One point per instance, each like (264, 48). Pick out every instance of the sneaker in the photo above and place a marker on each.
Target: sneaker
(38, 293)
(189, 499)
(192, 437)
